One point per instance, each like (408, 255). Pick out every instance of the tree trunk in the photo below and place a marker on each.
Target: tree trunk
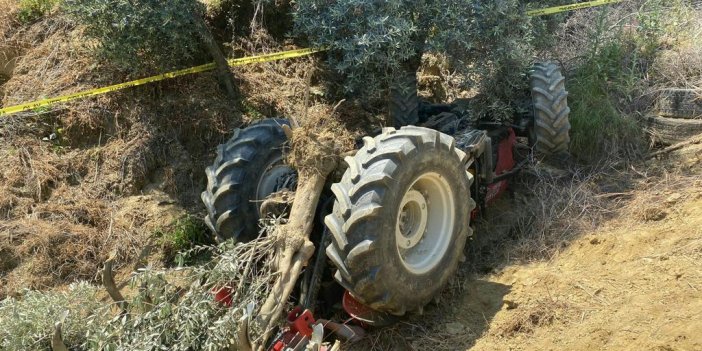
(294, 249)
(223, 73)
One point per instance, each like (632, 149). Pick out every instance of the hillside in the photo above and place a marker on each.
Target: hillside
(601, 249)
(633, 284)
(630, 281)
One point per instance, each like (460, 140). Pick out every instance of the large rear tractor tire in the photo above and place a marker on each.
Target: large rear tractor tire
(680, 103)
(549, 132)
(670, 131)
(248, 168)
(401, 218)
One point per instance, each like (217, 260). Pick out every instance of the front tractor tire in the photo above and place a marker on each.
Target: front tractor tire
(401, 218)
(549, 131)
(248, 168)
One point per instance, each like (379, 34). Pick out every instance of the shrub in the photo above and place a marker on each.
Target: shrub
(27, 323)
(32, 10)
(611, 85)
(598, 91)
(141, 36)
(175, 310)
(371, 41)
(166, 310)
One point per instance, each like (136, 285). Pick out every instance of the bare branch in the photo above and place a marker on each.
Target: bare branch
(57, 340)
(244, 343)
(109, 282)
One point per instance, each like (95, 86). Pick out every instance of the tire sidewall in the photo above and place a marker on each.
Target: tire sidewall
(418, 289)
(255, 173)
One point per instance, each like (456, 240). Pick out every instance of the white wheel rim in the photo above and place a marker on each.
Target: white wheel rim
(425, 223)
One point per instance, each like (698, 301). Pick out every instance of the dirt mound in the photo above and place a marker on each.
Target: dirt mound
(82, 179)
(632, 285)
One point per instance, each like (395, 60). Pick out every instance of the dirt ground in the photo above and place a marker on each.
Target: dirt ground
(631, 285)
(625, 273)
(631, 282)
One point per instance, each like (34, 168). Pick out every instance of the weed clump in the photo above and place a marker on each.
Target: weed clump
(32, 10)
(184, 234)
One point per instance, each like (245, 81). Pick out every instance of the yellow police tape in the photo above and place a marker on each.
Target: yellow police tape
(243, 61)
(203, 68)
(565, 8)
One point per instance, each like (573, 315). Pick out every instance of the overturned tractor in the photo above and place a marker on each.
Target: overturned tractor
(402, 211)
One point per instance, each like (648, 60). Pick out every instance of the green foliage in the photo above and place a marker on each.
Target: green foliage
(176, 310)
(141, 36)
(251, 111)
(599, 127)
(612, 84)
(32, 10)
(167, 310)
(182, 235)
(371, 41)
(27, 323)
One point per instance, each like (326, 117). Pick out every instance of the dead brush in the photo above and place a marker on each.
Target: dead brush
(679, 64)
(659, 192)
(56, 251)
(557, 209)
(8, 47)
(7, 18)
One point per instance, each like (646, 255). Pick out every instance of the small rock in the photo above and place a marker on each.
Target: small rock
(454, 328)
(510, 305)
(595, 241)
(654, 214)
(672, 199)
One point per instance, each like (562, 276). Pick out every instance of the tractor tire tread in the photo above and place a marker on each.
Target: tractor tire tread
(551, 111)
(226, 198)
(355, 249)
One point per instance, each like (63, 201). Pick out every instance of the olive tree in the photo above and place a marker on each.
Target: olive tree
(149, 36)
(371, 42)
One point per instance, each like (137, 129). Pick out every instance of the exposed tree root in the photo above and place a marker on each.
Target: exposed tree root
(694, 140)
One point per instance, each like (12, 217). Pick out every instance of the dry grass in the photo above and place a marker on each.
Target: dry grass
(274, 89)
(555, 210)
(661, 190)
(7, 20)
(100, 186)
(679, 63)
(321, 138)
(67, 204)
(550, 208)
(527, 319)
(8, 49)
